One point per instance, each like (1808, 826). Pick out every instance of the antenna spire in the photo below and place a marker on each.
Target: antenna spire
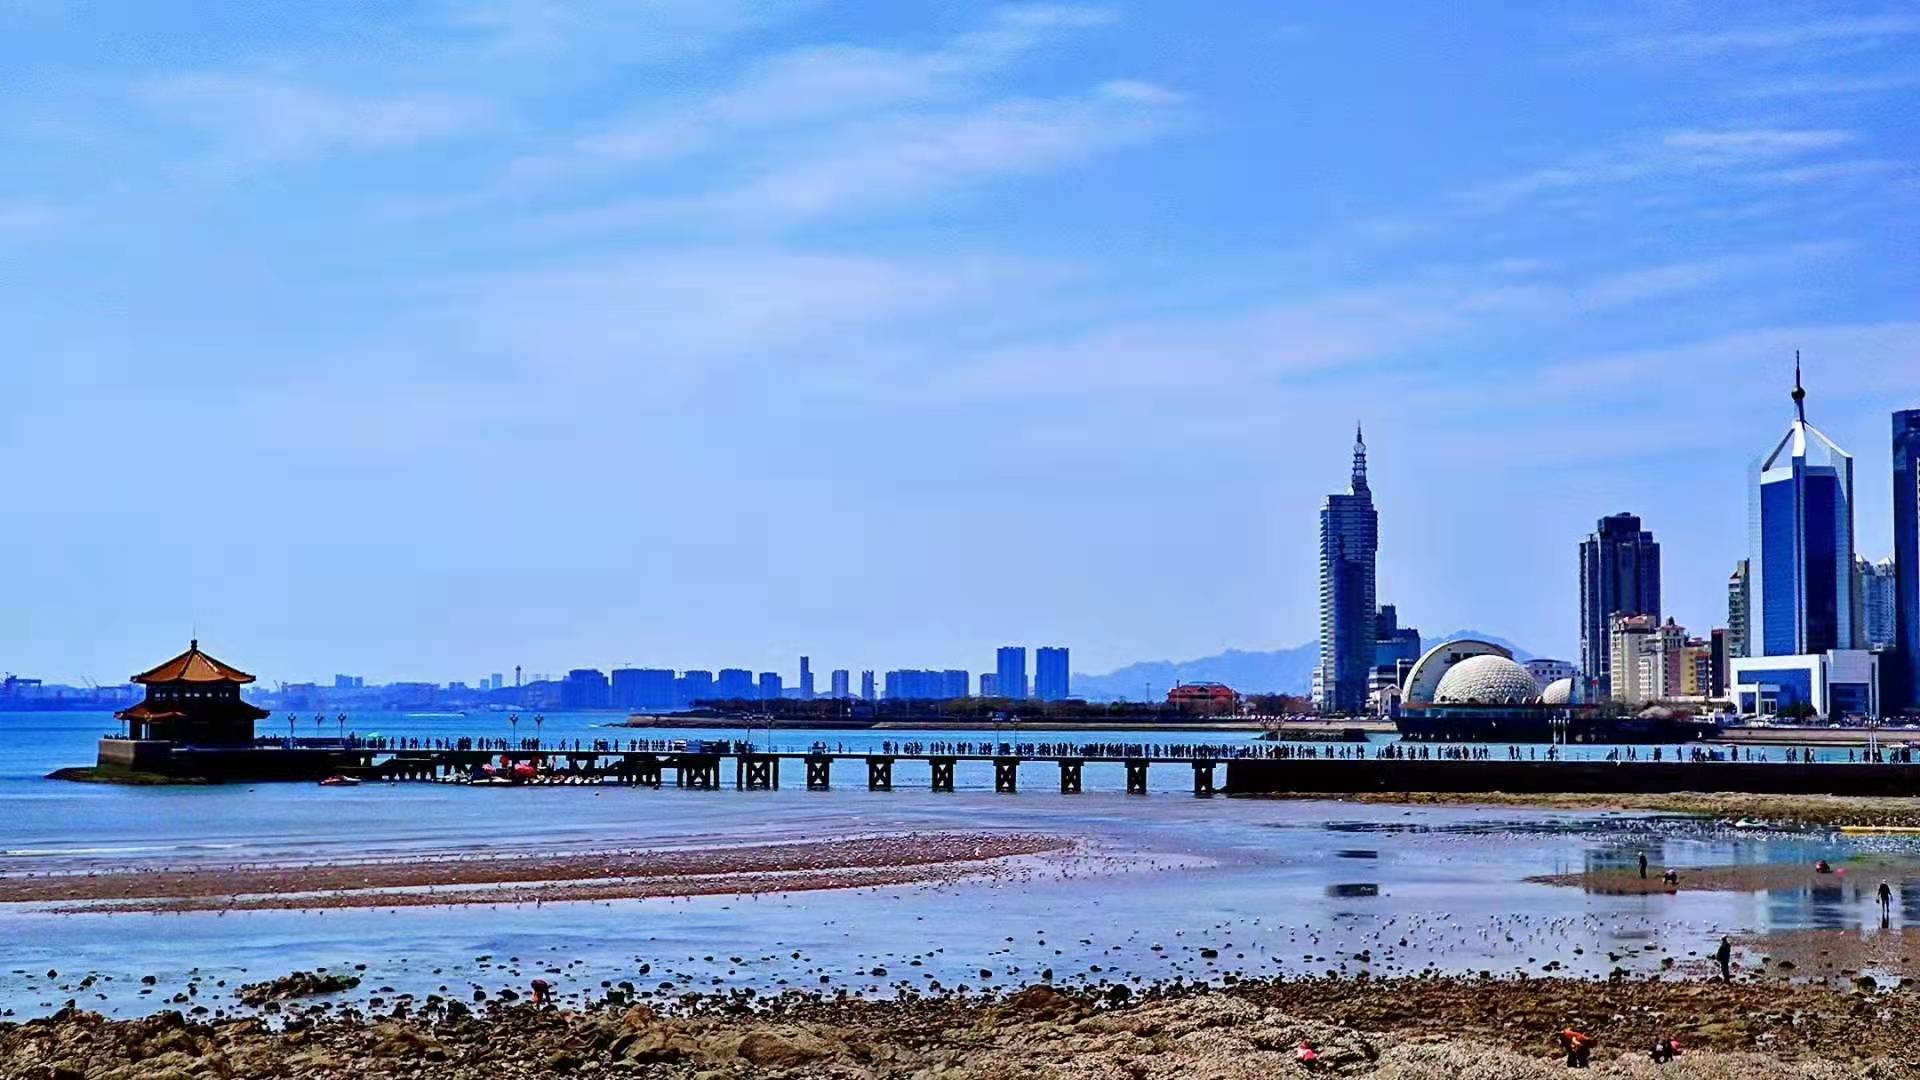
(1359, 459)
(1799, 391)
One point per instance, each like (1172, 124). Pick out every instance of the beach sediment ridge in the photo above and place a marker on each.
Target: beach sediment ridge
(450, 878)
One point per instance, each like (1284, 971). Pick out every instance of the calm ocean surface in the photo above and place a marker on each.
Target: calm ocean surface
(1274, 886)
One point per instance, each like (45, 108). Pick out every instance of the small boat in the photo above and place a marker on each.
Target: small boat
(340, 781)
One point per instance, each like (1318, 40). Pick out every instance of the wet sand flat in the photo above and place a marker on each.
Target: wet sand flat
(1856, 877)
(1818, 810)
(427, 880)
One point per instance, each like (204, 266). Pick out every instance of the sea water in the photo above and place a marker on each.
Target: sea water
(1262, 886)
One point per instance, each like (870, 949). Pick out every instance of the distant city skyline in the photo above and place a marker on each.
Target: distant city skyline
(943, 325)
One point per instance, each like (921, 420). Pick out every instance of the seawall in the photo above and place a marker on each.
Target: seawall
(1338, 777)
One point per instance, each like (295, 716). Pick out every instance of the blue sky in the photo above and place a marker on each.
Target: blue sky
(420, 340)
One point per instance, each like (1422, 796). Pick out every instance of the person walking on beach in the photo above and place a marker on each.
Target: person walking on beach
(1886, 904)
(1724, 954)
(1643, 866)
(1578, 1046)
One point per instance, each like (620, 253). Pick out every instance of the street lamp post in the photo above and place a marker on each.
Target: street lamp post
(539, 726)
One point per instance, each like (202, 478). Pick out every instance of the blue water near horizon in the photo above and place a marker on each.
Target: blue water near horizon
(1275, 886)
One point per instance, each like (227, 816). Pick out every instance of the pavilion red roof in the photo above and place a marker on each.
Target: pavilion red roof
(193, 666)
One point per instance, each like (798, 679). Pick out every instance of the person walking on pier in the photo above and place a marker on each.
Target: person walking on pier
(1643, 866)
(1886, 903)
(1724, 954)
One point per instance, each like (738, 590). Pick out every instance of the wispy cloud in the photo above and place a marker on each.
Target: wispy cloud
(901, 159)
(645, 29)
(795, 90)
(1824, 85)
(1687, 152)
(258, 119)
(671, 314)
(1850, 30)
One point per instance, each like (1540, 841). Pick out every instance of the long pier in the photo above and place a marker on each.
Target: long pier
(753, 769)
(1251, 768)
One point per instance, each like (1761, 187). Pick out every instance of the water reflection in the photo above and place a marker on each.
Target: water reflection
(1353, 891)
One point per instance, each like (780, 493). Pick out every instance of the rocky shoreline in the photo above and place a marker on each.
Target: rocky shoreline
(1462, 1029)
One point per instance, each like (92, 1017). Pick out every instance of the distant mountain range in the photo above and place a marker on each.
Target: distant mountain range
(1279, 671)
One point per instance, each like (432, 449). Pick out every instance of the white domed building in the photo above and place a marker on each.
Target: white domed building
(1475, 691)
(1558, 692)
(1486, 680)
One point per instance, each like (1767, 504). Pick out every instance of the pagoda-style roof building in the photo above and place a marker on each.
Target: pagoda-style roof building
(193, 700)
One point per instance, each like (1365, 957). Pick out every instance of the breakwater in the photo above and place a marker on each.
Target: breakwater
(1358, 775)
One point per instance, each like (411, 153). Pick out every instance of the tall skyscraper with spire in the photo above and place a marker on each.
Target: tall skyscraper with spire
(1800, 524)
(1349, 556)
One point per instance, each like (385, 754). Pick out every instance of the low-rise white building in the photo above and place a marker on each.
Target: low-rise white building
(1834, 684)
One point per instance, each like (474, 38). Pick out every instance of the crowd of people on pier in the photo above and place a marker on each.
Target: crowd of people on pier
(1151, 751)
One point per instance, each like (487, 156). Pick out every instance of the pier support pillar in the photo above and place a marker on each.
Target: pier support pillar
(879, 773)
(646, 772)
(1136, 778)
(1006, 774)
(1203, 779)
(942, 773)
(759, 772)
(1070, 776)
(819, 772)
(700, 772)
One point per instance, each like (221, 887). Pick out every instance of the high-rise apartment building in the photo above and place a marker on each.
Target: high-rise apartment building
(1050, 678)
(1719, 655)
(1904, 665)
(693, 686)
(1696, 669)
(735, 684)
(585, 688)
(1876, 589)
(1649, 659)
(770, 688)
(1010, 672)
(910, 684)
(1349, 553)
(1619, 575)
(643, 688)
(806, 679)
(839, 682)
(1392, 642)
(954, 683)
(1800, 520)
(989, 684)
(1739, 602)
(867, 692)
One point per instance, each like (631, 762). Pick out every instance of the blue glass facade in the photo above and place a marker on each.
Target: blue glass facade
(1780, 570)
(1785, 688)
(1821, 541)
(1903, 667)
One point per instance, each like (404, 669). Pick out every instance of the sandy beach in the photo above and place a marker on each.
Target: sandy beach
(447, 879)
